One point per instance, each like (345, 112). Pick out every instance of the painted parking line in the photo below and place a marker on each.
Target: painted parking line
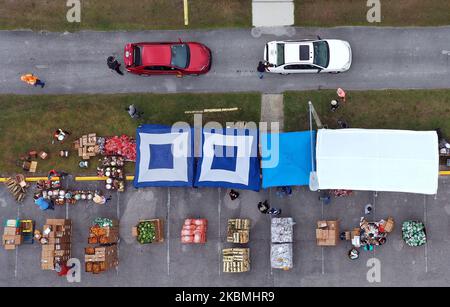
(425, 222)
(16, 261)
(219, 243)
(186, 12)
(168, 232)
(118, 218)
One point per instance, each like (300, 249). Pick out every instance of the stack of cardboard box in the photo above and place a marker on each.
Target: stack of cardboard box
(281, 249)
(87, 146)
(327, 233)
(58, 234)
(101, 258)
(236, 260)
(238, 231)
(104, 256)
(388, 225)
(11, 235)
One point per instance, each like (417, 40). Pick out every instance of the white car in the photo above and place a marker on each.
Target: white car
(308, 56)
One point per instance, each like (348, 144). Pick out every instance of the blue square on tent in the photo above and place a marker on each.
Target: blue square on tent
(224, 158)
(161, 156)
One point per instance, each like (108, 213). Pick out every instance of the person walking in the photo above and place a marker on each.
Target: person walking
(368, 209)
(334, 105)
(113, 64)
(32, 80)
(261, 69)
(263, 207)
(133, 112)
(62, 269)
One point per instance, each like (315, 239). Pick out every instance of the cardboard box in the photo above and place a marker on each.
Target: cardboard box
(322, 224)
(10, 247)
(389, 225)
(328, 235)
(10, 231)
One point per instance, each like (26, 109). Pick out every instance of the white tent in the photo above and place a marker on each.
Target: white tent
(378, 160)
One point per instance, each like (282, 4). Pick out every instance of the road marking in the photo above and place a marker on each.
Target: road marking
(17, 249)
(425, 222)
(322, 251)
(118, 218)
(17, 259)
(186, 12)
(219, 244)
(270, 227)
(168, 231)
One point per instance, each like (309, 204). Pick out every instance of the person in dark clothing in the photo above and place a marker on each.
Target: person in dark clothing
(233, 194)
(261, 69)
(274, 211)
(334, 105)
(113, 64)
(263, 207)
(133, 112)
(342, 124)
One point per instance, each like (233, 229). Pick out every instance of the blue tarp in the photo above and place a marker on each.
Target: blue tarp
(229, 159)
(164, 157)
(294, 158)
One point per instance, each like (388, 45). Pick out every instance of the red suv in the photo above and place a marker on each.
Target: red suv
(167, 58)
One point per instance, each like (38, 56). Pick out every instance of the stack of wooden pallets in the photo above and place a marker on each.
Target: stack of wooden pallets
(236, 260)
(238, 231)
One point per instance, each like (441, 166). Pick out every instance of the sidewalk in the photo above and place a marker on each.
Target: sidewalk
(273, 13)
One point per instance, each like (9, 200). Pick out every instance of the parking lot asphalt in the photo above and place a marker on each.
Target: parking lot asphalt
(69, 63)
(174, 264)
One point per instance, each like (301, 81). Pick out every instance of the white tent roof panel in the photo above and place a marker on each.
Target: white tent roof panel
(378, 160)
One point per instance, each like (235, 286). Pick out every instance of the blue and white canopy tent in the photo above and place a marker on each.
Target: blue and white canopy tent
(164, 157)
(229, 159)
(286, 158)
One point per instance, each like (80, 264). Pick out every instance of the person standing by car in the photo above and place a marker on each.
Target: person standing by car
(32, 80)
(113, 64)
(261, 69)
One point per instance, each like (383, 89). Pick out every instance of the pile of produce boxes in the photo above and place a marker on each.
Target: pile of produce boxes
(11, 235)
(238, 231)
(101, 258)
(149, 231)
(282, 233)
(414, 233)
(327, 233)
(104, 233)
(56, 243)
(194, 231)
(236, 260)
(104, 256)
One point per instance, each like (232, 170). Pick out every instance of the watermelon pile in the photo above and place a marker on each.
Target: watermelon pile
(146, 232)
